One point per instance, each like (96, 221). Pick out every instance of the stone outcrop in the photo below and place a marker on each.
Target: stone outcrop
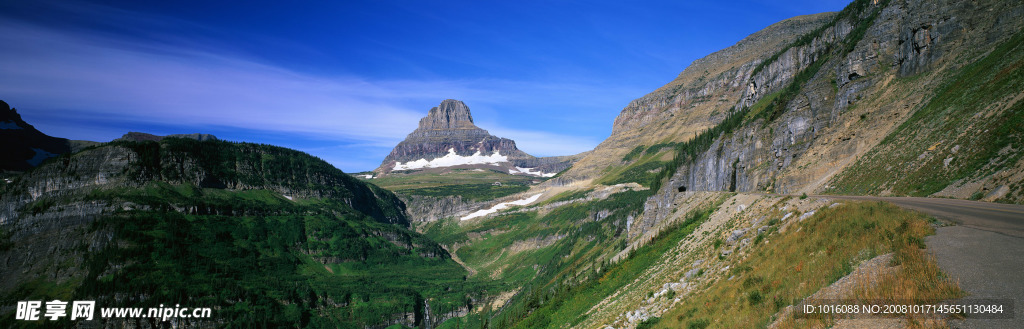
(451, 115)
(423, 208)
(423, 318)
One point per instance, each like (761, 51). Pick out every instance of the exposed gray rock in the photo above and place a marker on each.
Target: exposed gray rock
(997, 193)
(736, 235)
(451, 115)
(428, 209)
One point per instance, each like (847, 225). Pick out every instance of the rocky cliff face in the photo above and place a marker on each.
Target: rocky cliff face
(857, 88)
(827, 122)
(429, 209)
(61, 198)
(714, 81)
(698, 99)
(235, 166)
(451, 116)
(816, 113)
(447, 137)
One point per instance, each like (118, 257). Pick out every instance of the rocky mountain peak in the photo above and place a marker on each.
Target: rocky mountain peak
(448, 130)
(451, 114)
(10, 118)
(22, 145)
(447, 137)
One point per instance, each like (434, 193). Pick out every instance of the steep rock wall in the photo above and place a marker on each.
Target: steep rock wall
(861, 93)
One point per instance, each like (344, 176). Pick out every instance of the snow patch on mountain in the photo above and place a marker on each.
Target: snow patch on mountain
(9, 125)
(40, 156)
(453, 159)
(530, 171)
(500, 206)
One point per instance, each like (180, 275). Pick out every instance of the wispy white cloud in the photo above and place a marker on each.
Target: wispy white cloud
(53, 71)
(542, 143)
(63, 72)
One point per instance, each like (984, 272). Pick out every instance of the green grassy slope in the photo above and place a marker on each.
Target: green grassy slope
(558, 280)
(256, 257)
(470, 184)
(975, 120)
(785, 268)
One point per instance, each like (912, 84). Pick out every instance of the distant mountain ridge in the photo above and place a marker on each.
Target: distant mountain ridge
(134, 136)
(257, 222)
(25, 147)
(448, 137)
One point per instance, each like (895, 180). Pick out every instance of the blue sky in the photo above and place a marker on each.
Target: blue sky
(347, 80)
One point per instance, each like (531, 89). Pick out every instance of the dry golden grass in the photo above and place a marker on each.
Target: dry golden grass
(917, 281)
(785, 268)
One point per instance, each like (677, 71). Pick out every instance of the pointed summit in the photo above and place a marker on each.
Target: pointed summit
(447, 137)
(448, 133)
(22, 145)
(451, 114)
